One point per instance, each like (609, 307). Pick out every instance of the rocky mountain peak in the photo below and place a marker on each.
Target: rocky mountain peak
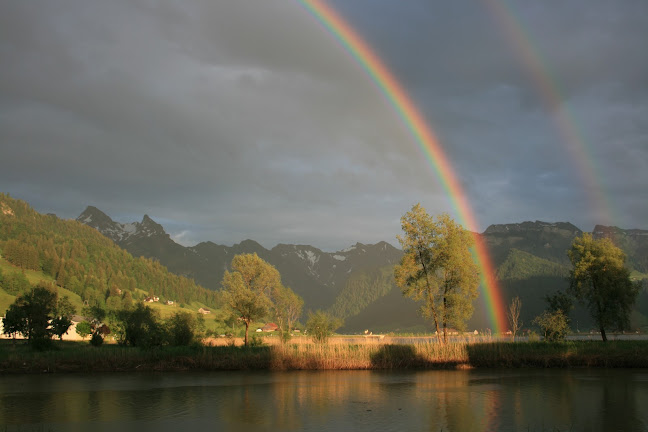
(94, 217)
(119, 232)
(100, 221)
(148, 227)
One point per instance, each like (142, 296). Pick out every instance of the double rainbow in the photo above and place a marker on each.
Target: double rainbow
(424, 137)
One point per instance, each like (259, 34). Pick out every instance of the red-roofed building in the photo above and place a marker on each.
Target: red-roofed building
(270, 327)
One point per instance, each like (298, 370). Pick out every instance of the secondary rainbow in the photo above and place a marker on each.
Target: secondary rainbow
(551, 97)
(424, 137)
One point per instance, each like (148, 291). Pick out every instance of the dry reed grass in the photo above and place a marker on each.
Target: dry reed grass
(356, 353)
(339, 354)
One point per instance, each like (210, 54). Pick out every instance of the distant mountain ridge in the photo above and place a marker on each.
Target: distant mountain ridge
(315, 275)
(549, 241)
(356, 284)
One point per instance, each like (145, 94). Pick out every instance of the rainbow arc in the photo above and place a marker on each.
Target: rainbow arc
(424, 137)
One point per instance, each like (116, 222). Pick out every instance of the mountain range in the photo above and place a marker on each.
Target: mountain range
(357, 284)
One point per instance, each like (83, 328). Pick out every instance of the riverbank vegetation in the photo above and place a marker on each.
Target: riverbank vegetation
(16, 357)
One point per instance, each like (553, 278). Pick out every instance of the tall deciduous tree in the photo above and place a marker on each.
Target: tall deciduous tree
(600, 280)
(30, 315)
(438, 268)
(287, 309)
(248, 287)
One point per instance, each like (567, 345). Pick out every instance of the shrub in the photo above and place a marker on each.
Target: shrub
(255, 341)
(142, 327)
(183, 329)
(97, 339)
(320, 326)
(534, 337)
(553, 324)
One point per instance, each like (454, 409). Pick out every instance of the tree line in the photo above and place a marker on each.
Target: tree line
(40, 314)
(252, 290)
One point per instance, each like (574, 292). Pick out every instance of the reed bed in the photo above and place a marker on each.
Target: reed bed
(302, 355)
(611, 354)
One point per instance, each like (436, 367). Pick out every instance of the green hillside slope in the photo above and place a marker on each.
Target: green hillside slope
(79, 259)
(523, 265)
(361, 289)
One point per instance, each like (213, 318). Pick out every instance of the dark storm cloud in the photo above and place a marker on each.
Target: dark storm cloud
(233, 120)
(492, 113)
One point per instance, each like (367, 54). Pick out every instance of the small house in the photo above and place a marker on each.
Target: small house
(270, 327)
(204, 311)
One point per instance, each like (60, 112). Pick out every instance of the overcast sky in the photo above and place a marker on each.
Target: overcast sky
(227, 120)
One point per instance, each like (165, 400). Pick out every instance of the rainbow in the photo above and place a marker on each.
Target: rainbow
(426, 140)
(550, 95)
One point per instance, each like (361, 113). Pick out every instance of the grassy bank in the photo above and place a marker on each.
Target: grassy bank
(81, 357)
(611, 354)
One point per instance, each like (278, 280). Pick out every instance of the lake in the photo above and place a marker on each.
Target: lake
(464, 400)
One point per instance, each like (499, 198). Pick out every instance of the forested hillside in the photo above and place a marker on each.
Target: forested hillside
(85, 262)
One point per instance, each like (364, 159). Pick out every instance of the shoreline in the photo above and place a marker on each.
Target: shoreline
(72, 357)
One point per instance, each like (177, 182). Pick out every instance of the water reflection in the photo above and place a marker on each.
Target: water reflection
(529, 400)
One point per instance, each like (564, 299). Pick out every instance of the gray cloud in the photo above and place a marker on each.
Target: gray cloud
(234, 120)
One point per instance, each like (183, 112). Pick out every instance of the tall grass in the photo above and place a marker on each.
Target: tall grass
(81, 357)
(620, 353)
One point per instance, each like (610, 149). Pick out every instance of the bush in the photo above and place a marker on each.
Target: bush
(553, 324)
(534, 337)
(183, 329)
(255, 341)
(96, 340)
(320, 326)
(141, 327)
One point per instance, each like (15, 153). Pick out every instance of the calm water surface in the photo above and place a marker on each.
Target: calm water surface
(494, 400)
